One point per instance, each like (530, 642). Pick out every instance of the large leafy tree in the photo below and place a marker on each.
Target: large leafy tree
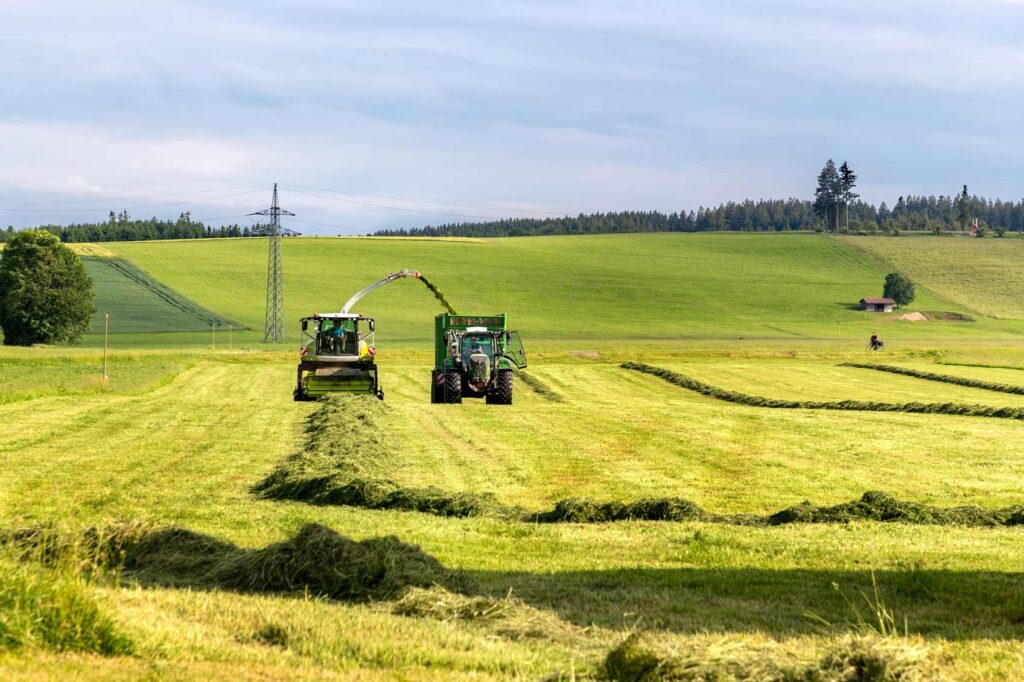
(828, 194)
(899, 288)
(45, 294)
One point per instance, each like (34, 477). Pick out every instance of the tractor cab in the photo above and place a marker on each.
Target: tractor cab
(337, 356)
(337, 337)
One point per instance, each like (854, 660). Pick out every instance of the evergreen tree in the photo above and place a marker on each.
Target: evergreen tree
(828, 194)
(964, 209)
(848, 180)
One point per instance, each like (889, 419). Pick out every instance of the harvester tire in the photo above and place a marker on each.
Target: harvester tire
(452, 387)
(502, 394)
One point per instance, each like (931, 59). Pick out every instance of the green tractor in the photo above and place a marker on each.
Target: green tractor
(337, 356)
(474, 356)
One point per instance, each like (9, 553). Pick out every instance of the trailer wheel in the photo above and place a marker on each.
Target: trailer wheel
(452, 387)
(502, 393)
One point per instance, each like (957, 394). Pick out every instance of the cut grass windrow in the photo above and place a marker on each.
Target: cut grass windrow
(316, 560)
(539, 387)
(868, 658)
(945, 378)
(686, 382)
(348, 440)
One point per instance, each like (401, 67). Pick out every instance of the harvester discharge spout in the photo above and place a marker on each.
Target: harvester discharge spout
(376, 285)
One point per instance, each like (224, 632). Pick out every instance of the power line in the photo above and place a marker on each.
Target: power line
(422, 201)
(394, 208)
(132, 208)
(336, 227)
(147, 196)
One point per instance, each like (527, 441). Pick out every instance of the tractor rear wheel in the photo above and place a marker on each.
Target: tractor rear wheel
(502, 393)
(452, 387)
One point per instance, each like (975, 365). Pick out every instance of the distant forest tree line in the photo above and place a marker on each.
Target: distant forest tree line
(120, 227)
(836, 207)
(933, 214)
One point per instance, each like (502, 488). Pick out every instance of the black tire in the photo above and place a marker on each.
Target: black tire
(502, 393)
(452, 387)
(437, 387)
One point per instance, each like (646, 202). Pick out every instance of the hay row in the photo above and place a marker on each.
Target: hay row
(854, 405)
(944, 378)
(872, 506)
(348, 444)
(341, 464)
(539, 387)
(866, 658)
(316, 560)
(507, 617)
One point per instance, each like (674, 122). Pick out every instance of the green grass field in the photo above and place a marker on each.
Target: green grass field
(648, 286)
(181, 434)
(139, 304)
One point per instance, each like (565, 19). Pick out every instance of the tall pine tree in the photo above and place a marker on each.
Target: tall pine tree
(828, 194)
(848, 180)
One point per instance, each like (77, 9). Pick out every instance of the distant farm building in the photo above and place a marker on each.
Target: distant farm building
(877, 305)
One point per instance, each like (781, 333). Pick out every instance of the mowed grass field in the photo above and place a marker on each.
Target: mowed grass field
(187, 445)
(182, 434)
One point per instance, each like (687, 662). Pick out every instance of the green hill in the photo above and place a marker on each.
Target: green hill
(983, 275)
(638, 286)
(139, 303)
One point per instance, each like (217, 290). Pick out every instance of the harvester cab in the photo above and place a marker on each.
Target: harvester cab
(337, 356)
(474, 357)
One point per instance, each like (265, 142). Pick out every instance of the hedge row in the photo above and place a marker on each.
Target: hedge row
(856, 405)
(945, 378)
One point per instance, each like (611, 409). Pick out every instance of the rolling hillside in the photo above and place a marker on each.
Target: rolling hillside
(983, 275)
(641, 286)
(139, 303)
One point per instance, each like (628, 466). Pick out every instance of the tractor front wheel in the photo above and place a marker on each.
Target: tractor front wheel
(501, 394)
(452, 387)
(437, 387)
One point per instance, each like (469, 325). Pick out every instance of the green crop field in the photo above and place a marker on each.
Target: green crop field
(138, 303)
(648, 286)
(187, 519)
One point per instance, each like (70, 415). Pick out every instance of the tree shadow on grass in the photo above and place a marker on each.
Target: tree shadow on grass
(936, 603)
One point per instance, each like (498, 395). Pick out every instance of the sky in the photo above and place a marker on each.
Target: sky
(401, 114)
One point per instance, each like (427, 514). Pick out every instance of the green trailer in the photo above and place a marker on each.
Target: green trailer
(474, 357)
